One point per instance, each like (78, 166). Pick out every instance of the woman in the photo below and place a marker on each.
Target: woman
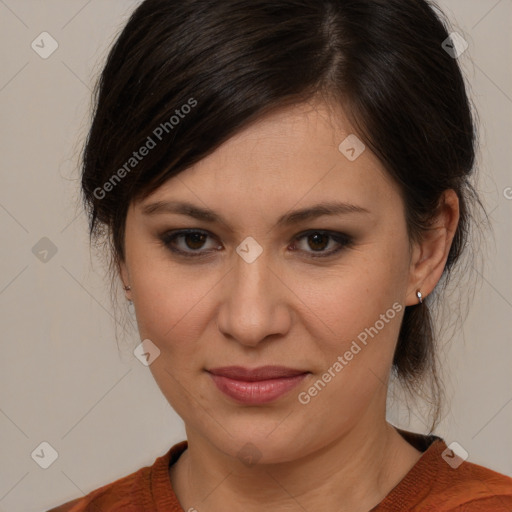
(283, 184)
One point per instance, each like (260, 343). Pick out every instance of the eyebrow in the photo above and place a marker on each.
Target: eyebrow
(328, 208)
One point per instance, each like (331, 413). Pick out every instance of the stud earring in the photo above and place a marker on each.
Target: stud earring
(127, 288)
(420, 297)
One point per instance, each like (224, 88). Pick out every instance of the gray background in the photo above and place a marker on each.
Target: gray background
(62, 378)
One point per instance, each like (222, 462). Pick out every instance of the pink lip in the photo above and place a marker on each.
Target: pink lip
(256, 386)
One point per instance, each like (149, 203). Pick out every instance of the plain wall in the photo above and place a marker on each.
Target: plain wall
(62, 378)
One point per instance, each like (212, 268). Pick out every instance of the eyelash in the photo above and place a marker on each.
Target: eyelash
(345, 242)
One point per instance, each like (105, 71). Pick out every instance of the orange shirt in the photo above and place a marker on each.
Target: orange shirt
(433, 484)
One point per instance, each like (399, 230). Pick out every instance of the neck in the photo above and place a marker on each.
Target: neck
(353, 473)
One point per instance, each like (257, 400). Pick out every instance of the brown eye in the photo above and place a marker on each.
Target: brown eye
(193, 241)
(318, 241)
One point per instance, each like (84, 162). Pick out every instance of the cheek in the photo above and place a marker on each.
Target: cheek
(357, 324)
(170, 303)
(352, 296)
(360, 307)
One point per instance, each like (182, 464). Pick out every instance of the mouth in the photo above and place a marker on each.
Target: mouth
(258, 385)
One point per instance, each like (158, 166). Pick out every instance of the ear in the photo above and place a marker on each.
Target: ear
(125, 277)
(429, 255)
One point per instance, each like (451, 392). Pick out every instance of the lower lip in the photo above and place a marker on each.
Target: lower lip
(259, 392)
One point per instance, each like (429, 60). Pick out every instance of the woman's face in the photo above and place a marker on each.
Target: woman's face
(256, 295)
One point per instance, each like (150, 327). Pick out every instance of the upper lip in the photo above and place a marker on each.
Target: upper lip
(255, 374)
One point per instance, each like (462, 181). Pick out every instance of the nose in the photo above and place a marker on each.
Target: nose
(254, 304)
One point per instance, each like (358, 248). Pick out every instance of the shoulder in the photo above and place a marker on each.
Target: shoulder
(66, 507)
(131, 493)
(112, 497)
(474, 488)
(441, 481)
(468, 487)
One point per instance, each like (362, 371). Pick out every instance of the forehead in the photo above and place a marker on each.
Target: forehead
(308, 130)
(291, 157)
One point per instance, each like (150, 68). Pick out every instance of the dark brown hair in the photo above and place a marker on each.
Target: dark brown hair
(232, 61)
